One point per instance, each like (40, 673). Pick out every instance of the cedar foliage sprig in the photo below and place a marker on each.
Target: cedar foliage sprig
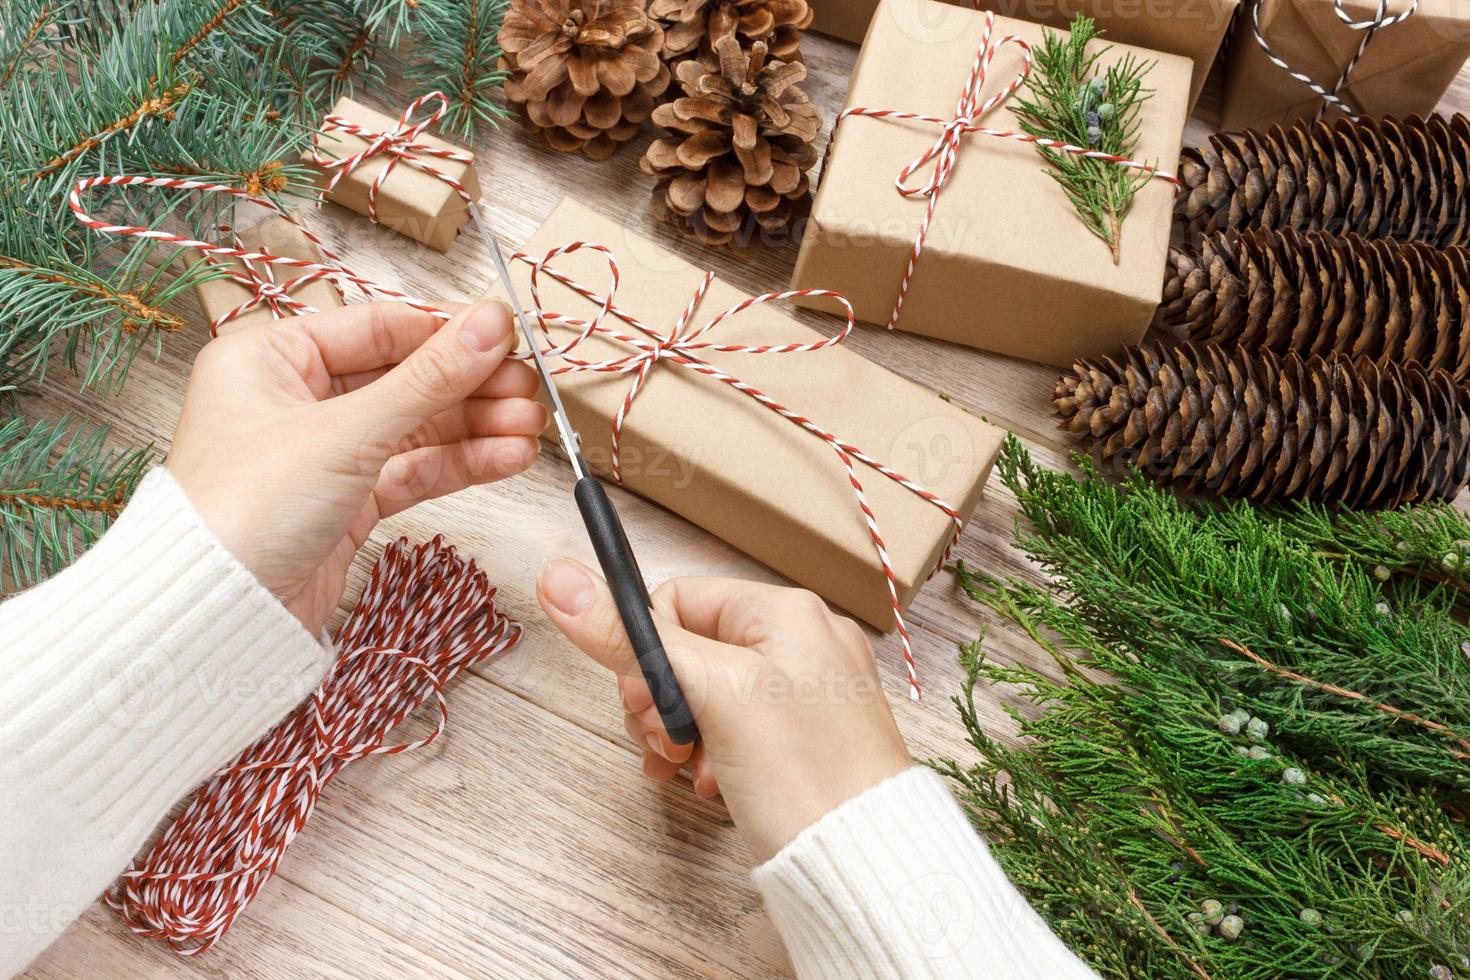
(1333, 827)
(1065, 98)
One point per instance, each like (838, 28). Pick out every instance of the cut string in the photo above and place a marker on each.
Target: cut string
(1369, 29)
(944, 152)
(682, 347)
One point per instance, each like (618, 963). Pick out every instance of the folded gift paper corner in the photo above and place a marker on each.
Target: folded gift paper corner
(410, 200)
(1007, 266)
(1405, 69)
(708, 452)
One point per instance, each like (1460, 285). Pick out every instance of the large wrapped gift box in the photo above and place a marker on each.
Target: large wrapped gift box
(1193, 29)
(706, 451)
(1007, 266)
(1405, 69)
(278, 236)
(410, 201)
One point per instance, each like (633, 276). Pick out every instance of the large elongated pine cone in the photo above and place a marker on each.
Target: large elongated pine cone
(1332, 429)
(693, 26)
(584, 74)
(738, 146)
(1315, 293)
(1380, 178)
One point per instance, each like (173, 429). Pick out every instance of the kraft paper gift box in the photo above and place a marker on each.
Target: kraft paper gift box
(410, 201)
(1194, 29)
(736, 468)
(279, 237)
(1405, 69)
(1008, 266)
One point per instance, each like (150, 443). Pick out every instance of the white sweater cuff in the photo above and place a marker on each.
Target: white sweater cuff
(895, 883)
(128, 678)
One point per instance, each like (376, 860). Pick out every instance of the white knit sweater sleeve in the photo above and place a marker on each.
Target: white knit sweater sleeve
(125, 680)
(895, 883)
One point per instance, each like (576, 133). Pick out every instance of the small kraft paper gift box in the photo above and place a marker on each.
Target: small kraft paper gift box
(257, 291)
(1194, 29)
(1405, 68)
(394, 172)
(1007, 265)
(734, 466)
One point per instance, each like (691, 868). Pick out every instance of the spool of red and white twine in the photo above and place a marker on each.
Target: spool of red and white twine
(426, 615)
(1369, 29)
(944, 152)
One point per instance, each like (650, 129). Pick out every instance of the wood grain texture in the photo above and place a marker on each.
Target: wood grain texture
(525, 843)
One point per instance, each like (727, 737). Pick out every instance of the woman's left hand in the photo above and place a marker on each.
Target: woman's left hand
(299, 435)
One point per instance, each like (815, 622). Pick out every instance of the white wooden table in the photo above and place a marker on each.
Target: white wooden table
(525, 842)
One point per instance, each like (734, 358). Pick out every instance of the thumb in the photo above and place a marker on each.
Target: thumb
(580, 605)
(442, 372)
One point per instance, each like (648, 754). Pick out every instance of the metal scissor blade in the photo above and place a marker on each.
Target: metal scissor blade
(570, 441)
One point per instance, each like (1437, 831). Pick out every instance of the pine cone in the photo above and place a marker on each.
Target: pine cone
(693, 26)
(739, 145)
(1332, 429)
(584, 73)
(1316, 293)
(1379, 178)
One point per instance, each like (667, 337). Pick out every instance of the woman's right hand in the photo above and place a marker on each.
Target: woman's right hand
(791, 714)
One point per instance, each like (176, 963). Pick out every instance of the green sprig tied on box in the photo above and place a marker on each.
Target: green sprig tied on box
(1068, 98)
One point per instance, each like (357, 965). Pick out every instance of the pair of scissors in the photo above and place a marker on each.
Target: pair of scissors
(609, 541)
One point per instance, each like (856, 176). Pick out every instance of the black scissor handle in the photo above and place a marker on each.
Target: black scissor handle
(620, 569)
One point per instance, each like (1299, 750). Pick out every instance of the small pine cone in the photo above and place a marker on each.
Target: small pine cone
(738, 146)
(1404, 179)
(1316, 293)
(584, 74)
(691, 27)
(1332, 429)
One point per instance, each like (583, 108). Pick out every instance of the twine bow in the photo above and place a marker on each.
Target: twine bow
(401, 144)
(265, 291)
(944, 152)
(683, 347)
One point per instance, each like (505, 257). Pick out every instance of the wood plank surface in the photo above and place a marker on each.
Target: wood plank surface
(525, 843)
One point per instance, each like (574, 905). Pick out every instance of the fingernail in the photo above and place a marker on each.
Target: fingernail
(484, 327)
(567, 586)
(651, 740)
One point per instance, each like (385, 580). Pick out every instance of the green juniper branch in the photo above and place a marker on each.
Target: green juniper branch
(1067, 99)
(1264, 709)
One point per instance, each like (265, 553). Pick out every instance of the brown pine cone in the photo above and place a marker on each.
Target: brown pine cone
(738, 147)
(584, 74)
(1332, 429)
(693, 26)
(1404, 179)
(1316, 293)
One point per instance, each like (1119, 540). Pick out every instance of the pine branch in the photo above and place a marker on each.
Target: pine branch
(1067, 99)
(60, 488)
(28, 32)
(456, 52)
(1332, 826)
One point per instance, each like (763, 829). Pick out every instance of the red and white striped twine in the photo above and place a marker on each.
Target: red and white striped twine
(682, 346)
(678, 347)
(400, 144)
(260, 279)
(1369, 28)
(944, 152)
(426, 615)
